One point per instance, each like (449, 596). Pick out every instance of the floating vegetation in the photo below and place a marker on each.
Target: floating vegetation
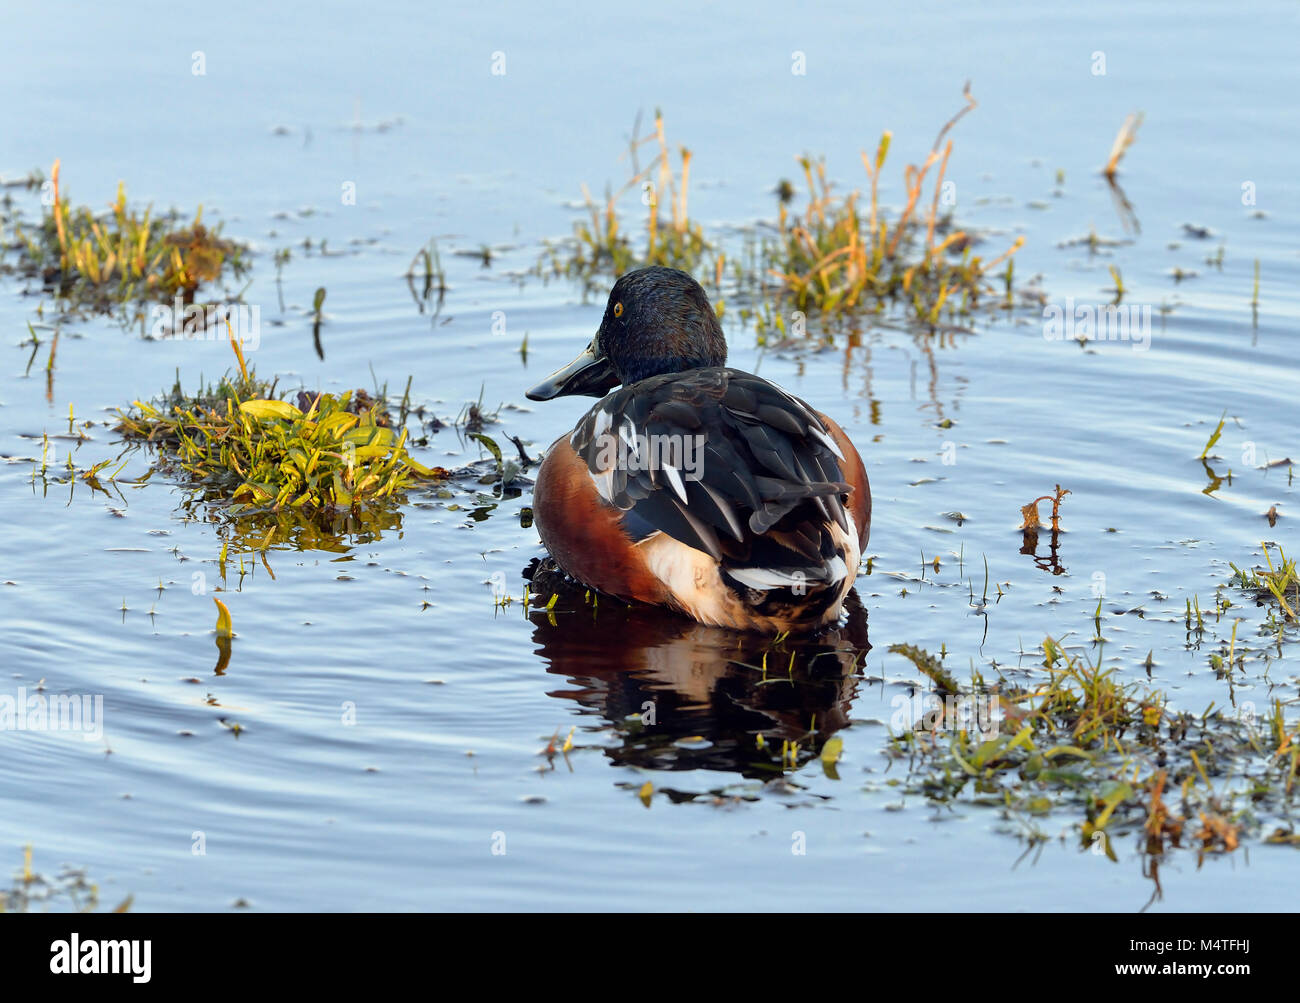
(272, 467)
(600, 248)
(832, 257)
(1124, 209)
(1030, 525)
(104, 261)
(1029, 513)
(69, 890)
(431, 279)
(317, 319)
(224, 626)
(225, 631)
(944, 684)
(1125, 138)
(1113, 753)
(1214, 437)
(1281, 583)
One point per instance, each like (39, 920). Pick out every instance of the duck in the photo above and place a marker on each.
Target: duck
(692, 485)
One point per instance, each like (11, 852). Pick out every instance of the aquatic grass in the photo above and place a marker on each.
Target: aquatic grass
(1125, 138)
(831, 259)
(1280, 583)
(256, 454)
(944, 683)
(102, 261)
(69, 889)
(1029, 513)
(430, 277)
(1107, 751)
(600, 247)
(1214, 437)
(1030, 526)
(1119, 284)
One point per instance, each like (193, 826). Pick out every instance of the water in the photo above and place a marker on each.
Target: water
(451, 698)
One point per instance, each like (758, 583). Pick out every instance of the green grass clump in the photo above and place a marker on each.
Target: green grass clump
(1112, 752)
(600, 247)
(274, 466)
(1280, 583)
(104, 261)
(833, 257)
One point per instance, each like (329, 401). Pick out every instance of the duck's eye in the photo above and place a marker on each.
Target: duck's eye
(618, 309)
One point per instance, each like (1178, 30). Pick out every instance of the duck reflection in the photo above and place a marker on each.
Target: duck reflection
(682, 696)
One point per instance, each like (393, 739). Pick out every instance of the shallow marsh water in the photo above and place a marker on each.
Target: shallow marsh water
(453, 696)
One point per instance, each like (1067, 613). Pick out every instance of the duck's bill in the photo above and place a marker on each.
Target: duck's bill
(589, 375)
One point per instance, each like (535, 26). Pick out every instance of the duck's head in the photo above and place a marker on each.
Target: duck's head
(658, 320)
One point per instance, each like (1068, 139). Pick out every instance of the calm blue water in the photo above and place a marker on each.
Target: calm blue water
(451, 699)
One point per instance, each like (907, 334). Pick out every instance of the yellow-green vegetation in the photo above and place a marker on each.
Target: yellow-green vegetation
(102, 261)
(932, 666)
(1279, 582)
(275, 469)
(832, 257)
(70, 890)
(1214, 437)
(835, 257)
(1125, 138)
(1114, 755)
(601, 247)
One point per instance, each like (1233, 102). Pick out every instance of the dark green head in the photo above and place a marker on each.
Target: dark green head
(658, 320)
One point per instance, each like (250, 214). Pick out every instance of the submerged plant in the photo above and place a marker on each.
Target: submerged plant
(101, 261)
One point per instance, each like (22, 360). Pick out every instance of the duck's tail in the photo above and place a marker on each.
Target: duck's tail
(792, 578)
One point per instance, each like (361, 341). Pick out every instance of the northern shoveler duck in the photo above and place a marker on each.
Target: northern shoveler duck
(698, 487)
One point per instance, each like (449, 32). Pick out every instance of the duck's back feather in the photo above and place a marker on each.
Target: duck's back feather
(741, 500)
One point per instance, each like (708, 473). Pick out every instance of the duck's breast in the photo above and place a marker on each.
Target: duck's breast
(584, 534)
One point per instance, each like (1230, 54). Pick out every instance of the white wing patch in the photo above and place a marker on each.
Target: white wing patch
(604, 479)
(675, 480)
(825, 440)
(767, 578)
